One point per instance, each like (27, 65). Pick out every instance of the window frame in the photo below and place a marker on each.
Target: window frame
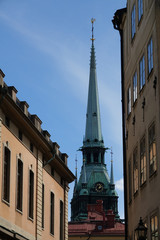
(31, 196)
(129, 104)
(155, 230)
(142, 75)
(135, 87)
(20, 135)
(21, 187)
(61, 220)
(150, 56)
(6, 189)
(140, 10)
(152, 150)
(52, 212)
(143, 167)
(133, 21)
(7, 121)
(135, 170)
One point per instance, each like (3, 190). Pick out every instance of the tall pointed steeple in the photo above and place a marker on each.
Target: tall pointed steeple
(94, 183)
(93, 133)
(111, 176)
(75, 183)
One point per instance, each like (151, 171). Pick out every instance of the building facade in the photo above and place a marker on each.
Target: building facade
(98, 225)
(94, 182)
(34, 174)
(138, 25)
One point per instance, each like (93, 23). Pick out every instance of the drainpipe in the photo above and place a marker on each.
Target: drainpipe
(116, 23)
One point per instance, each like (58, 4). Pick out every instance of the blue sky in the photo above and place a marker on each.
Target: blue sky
(45, 53)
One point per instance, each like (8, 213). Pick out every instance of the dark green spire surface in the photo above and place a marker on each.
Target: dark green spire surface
(94, 182)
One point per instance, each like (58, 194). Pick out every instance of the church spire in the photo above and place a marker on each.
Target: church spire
(84, 173)
(111, 176)
(75, 183)
(93, 134)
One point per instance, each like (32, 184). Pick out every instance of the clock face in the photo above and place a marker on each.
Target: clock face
(99, 227)
(99, 187)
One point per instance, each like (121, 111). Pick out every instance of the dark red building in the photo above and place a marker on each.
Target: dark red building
(97, 225)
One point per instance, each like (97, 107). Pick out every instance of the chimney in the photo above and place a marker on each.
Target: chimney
(64, 158)
(37, 122)
(46, 135)
(24, 105)
(56, 147)
(12, 92)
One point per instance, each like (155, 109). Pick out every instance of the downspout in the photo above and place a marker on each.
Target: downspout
(116, 23)
(124, 141)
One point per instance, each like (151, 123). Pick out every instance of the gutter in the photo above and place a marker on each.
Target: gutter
(117, 21)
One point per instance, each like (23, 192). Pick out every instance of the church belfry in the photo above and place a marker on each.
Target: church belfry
(94, 183)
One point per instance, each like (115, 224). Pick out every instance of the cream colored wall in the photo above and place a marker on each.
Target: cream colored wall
(147, 200)
(51, 185)
(9, 212)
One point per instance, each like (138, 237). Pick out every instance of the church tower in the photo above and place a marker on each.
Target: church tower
(94, 182)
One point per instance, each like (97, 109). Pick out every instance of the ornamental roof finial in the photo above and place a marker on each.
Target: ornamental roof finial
(92, 21)
(112, 176)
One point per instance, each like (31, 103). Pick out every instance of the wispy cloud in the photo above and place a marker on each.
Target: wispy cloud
(70, 61)
(119, 184)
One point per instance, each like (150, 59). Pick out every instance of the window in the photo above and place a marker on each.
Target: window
(135, 87)
(61, 220)
(142, 161)
(150, 56)
(52, 171)
(62, 181)
(6, 175)
(133, 21)
(7, 121)
(140, 9)
(31, 193)
(31, 147)
(142, 72)
(42, 205)
(19, 184)
(154, 228)
(135, 171)
(152, 150)
(20, 135)
(52, 214)
(130, 181)
(129, 100)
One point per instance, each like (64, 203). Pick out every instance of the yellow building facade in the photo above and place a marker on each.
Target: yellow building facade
(138, 25)
(34, 175)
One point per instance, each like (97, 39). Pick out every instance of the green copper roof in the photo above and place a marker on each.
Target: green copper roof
(94, 182)
(93, 133)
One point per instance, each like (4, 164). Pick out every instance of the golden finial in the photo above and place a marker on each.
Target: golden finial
(92, 21)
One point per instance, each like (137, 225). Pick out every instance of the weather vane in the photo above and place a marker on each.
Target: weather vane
(92, 21)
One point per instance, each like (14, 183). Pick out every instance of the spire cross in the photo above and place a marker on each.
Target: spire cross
(92, 21)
